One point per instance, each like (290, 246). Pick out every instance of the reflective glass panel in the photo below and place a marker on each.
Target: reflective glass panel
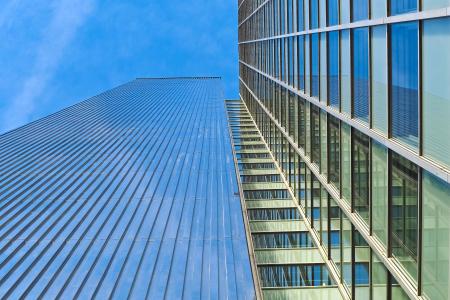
(315, 65)
(404, 6)
(436, 237)
(360, 73)
(360, 10)
(404, 86)
(360, 174)
(404, 214)
(436, 89)
(333, 68)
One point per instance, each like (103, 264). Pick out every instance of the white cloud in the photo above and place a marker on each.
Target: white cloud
(67, 17)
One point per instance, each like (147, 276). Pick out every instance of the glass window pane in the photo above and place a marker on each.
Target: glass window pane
(323, 67)
(314, 14)
(435, 4)
(360, 73)
(307, 65)
(290, 60)
(345, 71)
(333, 12)
(436, 237)
(315, 65)
(347, 252)
(360, 174)
(403, 6)
(378, 9)
(290, 16)
(315, 135)
(361, 262)
(323, 13)
(323, 142)
(360, 10)
(379, 191)
(335, 233)
(346, 161)
(345, 11)
(379, 79)
(324, 218)
(404, 89)
(404, 193)
(301, 62)
(379, 278)
(333, 68)
(282, 17)
(300, 16)
(436, 89)
(334, 151)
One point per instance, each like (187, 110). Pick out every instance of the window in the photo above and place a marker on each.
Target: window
(404, 215)
(360, 174)
(291, 60)
(435, 4)
(301, 122)
(333, 12)
(379, 79)
(436, 89)
(435, 255)
(403, 6)
(323, 68)
(314, 14)
(301, 62)
(334, 151)
(333, 68)
(260, 178)
(282, 240)
(266, 194)
(404, 86)
(379, 279)
(300, 16)
(345, 72)
(335, 232)
(294, 275)
(315, 135)
(271, 214)
(282, 17)
(360, 73)
(290, 17)
(360, 10)
(345, 11)
(379, 191)
(378, 9)
(346, 161)
(315, 65)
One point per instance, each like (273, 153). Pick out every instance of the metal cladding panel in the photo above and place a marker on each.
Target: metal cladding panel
(129, 194)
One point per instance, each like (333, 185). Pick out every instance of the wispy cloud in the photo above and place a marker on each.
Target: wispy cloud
(67, 17)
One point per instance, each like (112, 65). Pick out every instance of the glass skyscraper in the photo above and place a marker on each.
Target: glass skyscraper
(352, 98)
(131, 194)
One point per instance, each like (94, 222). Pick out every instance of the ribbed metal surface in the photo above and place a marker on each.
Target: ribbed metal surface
(131, 193)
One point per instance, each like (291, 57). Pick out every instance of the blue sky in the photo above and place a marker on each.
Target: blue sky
(55, 53)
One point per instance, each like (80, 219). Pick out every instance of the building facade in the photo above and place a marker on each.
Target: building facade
(131, 194)
(352, 97)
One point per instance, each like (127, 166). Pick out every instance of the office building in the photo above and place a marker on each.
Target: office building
(352, 97)
(131, 194)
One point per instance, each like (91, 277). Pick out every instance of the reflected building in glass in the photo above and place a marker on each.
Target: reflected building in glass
(352, 99)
